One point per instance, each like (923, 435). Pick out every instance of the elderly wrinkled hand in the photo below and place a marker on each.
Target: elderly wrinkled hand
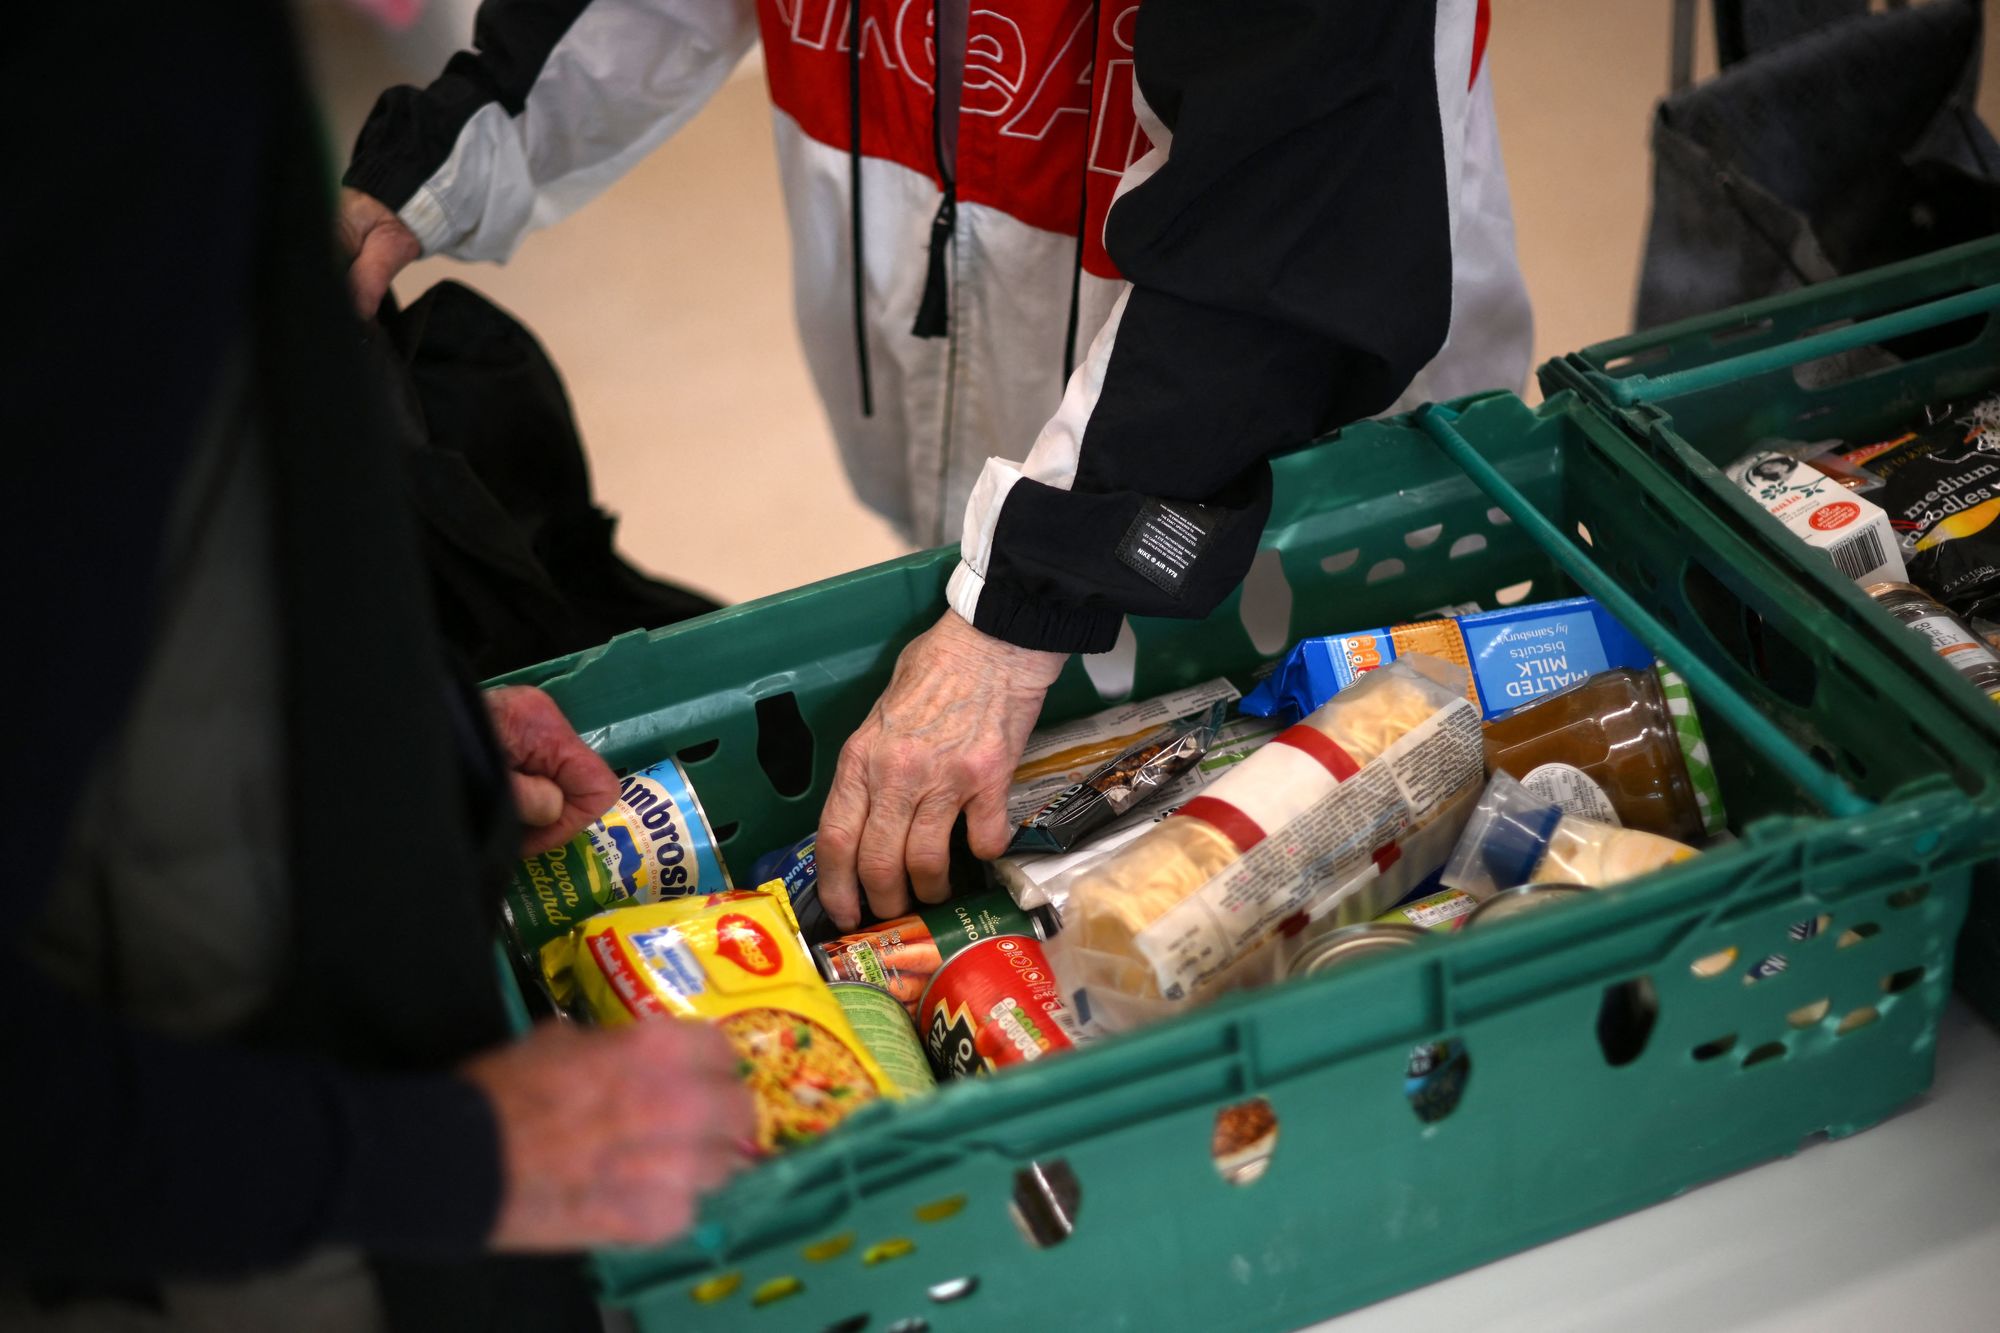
(944, 738)
(560, 784)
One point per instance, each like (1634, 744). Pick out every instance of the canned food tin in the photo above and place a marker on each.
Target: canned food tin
(1521, 900)
(654, 842)
(1949, 637)
(1349, 943)
(902, 956)
(885, 1029)
(993, 1004)
(1445, 911)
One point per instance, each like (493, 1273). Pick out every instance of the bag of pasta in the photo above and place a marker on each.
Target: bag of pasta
(735, 960)
(1338, 816)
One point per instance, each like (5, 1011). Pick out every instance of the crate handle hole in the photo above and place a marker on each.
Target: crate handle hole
(955, 1289)
(1418, 538)
(1112, 673)
(1384, 570)
(1471, 543)
(1857, 1019)
(1909, 897)
(1044, 1206)
(1625, 1019)
(1808, 1014)
(1341, 561)
(1713, 964)
(777, 1289)
(1708, 1050)
(1765, 968)
(1434, 1079)
(1266, 604)
(1244, 1138)
(1854, 934)
(854, 1323)
(1898, 982)
(784, 744)
(1514, 593)
(1770, 1050)
(698, 752)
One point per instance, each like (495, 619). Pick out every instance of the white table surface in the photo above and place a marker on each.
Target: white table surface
(1895, 1228)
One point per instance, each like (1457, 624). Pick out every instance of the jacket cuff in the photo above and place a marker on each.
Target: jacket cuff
(1044, 626)
(423, 1175)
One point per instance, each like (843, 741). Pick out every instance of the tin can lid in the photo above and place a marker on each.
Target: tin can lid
(1525, 898)
(1352, 942)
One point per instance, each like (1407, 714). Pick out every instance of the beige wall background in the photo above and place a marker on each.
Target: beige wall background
(667, 301)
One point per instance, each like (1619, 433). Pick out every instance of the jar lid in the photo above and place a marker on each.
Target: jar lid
(1694, 750)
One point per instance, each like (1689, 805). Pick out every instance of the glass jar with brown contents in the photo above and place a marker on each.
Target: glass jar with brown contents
(1613, 730)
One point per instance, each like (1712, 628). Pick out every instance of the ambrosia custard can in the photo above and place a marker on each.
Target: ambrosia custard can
(653, 843)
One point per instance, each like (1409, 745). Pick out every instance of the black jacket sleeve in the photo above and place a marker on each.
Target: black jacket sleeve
(1288, 248)
(135, 232)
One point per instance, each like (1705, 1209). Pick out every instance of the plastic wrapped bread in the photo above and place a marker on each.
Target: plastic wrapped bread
(1341, 814)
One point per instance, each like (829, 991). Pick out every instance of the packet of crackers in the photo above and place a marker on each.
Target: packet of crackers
(1338, 817)
(736, 960)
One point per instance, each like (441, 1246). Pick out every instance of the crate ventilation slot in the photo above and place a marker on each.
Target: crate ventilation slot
(1625, 1019)
(1434, 1079)
(1244, 1138)
(1044, 1206)
(1709, 1050)
(1806, 1015)
(956, 1289)
(1857, 1019)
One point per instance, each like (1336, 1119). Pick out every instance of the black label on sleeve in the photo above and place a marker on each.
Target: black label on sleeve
(1164, 541)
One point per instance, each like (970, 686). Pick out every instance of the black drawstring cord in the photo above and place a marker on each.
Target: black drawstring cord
(854, 199)
(934, 308)
(1082, 215)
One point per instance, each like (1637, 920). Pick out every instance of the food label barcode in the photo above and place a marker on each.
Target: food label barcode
(1859, 554)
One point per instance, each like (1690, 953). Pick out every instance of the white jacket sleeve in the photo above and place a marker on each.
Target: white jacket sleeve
(556, 100)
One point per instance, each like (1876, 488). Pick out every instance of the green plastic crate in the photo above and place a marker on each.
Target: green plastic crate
(1855, 359)
(905, 1218)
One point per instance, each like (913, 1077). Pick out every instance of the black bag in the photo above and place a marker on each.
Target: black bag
(1827, 152)
(520, 555)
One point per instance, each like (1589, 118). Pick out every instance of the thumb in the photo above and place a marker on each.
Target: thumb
(539, 801)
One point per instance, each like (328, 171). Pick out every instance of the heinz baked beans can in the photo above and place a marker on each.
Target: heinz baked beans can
(902, 956)
(653, 843)
(994, 1004)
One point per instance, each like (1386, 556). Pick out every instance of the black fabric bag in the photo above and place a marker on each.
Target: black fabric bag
(1831, 151)
(521, 556)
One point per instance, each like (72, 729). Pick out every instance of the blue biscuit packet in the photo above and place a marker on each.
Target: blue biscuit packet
(1516, 655)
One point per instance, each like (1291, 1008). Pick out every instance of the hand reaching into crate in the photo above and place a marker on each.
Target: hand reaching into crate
(560, 784)
(943, 738)
(610, 1136)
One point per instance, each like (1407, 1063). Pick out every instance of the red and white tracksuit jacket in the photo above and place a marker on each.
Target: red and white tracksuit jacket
(1073, 303)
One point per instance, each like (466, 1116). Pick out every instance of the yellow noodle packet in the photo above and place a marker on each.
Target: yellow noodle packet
(736, 960)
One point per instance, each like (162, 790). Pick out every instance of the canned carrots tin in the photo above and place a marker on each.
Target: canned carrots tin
(993, 1004)
(885, 1029)
(902, 956)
